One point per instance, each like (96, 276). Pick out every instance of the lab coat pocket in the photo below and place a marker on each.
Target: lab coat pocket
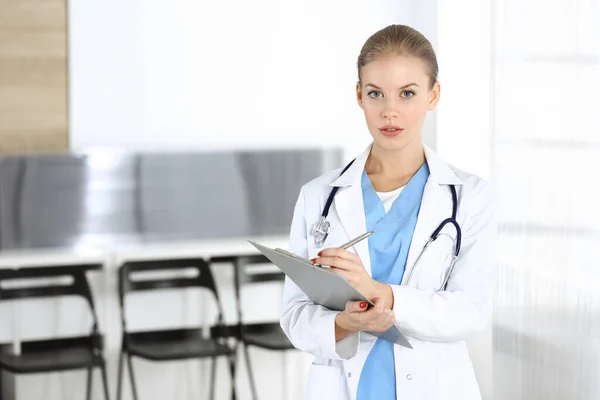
(323, 383)
(459, 383)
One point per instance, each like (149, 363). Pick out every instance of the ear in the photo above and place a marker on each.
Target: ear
(434, 96)
(359, 95)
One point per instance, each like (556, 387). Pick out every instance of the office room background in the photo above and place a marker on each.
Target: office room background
(238, 89)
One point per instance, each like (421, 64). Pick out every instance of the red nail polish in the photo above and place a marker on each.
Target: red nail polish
(313, 260)
(363, 304)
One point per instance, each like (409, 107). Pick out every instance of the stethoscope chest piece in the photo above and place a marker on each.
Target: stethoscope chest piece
(320, 230)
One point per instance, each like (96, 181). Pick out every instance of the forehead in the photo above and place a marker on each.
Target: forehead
(395, 71)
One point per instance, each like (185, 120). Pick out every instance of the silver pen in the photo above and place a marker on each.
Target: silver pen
(357, 239)
(352, 242)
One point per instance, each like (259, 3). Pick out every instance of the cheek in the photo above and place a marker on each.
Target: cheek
(414, 112)
(372, 112)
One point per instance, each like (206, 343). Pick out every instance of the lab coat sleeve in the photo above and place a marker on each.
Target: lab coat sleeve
(310, 327)
(465, 307)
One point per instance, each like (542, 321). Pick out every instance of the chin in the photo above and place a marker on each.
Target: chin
(391, 143)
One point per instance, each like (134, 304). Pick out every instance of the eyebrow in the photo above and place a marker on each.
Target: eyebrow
(403, 87)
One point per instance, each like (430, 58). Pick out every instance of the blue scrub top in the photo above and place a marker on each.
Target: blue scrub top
(388, 249)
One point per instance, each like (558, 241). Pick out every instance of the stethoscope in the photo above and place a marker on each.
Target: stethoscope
(321, 229)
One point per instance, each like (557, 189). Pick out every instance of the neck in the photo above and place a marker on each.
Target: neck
(396, 165)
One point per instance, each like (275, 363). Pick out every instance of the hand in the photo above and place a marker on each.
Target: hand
(356, 318)
(350, 267)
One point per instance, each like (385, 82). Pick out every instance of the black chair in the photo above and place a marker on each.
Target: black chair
(266, 335)
(172, 344)
(57, 354)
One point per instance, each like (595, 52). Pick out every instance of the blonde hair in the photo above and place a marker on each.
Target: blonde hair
(399, 40)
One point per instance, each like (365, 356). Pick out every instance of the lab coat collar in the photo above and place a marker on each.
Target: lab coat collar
(440, 172)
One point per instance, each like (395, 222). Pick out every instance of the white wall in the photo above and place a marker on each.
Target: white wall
(224, 74)
(464, 130)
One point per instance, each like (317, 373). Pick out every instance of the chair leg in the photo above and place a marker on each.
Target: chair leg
(105, 382)
(88, 391)
(120, 375)
(131, 378)
(250, 373)
(213, 374)
(232, 363)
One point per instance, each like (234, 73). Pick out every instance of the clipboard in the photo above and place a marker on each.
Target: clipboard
(324, 287)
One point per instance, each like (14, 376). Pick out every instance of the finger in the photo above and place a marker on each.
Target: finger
(337, 263)
(387, 326)
(338, 252)
(390, 319)
(382, 315)
(380, 303)
(356, 306)
(374, 323)
(351, 277)
(385, 321)
(374, 315)
(345, 273)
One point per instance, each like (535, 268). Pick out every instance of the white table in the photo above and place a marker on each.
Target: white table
(158, 250)
(204, 249)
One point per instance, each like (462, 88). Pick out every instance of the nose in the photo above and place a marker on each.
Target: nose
(389, 112)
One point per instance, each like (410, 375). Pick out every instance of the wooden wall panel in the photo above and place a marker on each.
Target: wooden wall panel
(33, 76)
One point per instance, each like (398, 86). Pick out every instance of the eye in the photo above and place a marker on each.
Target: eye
(374, 94)
(407, 94)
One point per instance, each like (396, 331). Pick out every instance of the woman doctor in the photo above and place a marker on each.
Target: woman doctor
(403, 191)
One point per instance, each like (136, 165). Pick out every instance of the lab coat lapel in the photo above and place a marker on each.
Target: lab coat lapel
(436, 206)
(349, 205)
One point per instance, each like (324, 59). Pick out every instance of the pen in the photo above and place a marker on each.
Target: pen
(357, 239)
(353, 242)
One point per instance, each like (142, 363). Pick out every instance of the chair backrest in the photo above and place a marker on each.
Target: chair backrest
(203, 279)
(78, 285)
(243, 275)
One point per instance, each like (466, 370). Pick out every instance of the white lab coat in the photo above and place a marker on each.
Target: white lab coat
(437, 323)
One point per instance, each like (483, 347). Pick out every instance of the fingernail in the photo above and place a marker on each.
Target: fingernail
(319, 253)
(363, 304)
(313, 260)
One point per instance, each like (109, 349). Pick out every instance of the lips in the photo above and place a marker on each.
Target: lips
(390, 130)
